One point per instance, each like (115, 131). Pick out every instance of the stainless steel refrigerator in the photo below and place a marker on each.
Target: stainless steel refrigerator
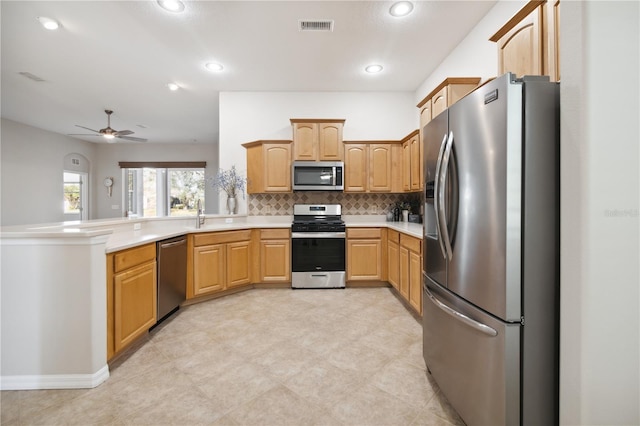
(491, 263)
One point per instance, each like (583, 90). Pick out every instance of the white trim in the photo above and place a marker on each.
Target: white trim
(55, 381)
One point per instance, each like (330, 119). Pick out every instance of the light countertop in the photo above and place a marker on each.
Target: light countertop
(126, 233)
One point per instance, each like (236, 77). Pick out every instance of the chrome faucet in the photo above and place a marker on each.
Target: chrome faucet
(200, 215)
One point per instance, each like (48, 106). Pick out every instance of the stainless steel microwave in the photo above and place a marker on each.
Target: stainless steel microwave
(318, 175)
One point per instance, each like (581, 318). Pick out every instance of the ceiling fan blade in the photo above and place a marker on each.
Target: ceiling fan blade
(130, 138)
(82, 127)
(123, 133)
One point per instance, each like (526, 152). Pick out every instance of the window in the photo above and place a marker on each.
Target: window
(74, 195)
(163, 191)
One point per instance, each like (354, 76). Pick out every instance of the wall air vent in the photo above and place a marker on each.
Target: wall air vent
(30, 76)
(315, 25)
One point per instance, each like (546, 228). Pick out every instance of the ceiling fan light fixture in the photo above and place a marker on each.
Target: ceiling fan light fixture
(373, 68)
(401, 8)
(171, 5)
(48, 23)
(214, 66)
(108, 136)
(173, 87)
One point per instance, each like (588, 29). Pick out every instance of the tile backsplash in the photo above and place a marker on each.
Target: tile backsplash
(352, 203)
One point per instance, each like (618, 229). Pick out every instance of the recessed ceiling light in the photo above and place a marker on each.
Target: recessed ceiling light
(173, 86)
(401, 8)
(171, 5)
(372, 69)
(48, 23)
(214, 66)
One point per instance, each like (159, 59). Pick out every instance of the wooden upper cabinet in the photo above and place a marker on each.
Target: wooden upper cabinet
(355, 167)
(552, 34)
(268, 166)
(412, 162)
(305, 141)
(330, 146)
(380, 168)
(527, 43)
(317, 139)
(373, 166)
(425, 113)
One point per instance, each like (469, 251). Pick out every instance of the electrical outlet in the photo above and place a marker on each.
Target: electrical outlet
(115, 207)
(267, 209)
(228, 220)
(137, 226)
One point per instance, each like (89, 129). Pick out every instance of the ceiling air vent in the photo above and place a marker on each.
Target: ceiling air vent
(315, 25)
(30, 76)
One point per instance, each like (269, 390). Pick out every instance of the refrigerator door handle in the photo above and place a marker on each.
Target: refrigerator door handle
(436, 195)
(441, 202)
(483, 328)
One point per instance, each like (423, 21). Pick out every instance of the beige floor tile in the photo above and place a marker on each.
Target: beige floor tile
(372, 406)
(322, 383)
(284, 360)
(182, 406)
(261, 357)
(281, 406)
(406, 382)
(439, 407)
(357, 358)
(10, 407)
(236, 386)
(393, 344)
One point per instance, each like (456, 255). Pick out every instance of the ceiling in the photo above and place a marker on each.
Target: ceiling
(120, 55)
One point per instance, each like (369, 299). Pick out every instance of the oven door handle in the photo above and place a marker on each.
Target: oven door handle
(318, 234)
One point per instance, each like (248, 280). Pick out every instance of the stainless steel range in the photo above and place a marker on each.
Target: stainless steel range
(318, 246)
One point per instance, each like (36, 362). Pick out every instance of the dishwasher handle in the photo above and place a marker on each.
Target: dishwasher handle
(173, 244)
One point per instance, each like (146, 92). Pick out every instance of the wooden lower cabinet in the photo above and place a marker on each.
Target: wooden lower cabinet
(275, 256)
(238, 264)
(220, 260)
(415, 281)
(208, 269)
(393, 258)
(135, 303)
(405, 267)
(364, 254)
(131, 296)
(411, 264)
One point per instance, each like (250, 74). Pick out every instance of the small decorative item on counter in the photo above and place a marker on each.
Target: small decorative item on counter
(405, 207)
(231, 183)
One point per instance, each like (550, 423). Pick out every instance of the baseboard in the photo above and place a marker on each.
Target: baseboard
(55, 381)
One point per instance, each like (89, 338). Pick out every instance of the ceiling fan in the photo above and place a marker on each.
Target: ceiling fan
(108, 132)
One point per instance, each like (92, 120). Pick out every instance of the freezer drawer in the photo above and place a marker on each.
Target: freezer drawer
(474, 358)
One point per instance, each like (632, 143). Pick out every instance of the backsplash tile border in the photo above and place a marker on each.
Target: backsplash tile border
(278, 204)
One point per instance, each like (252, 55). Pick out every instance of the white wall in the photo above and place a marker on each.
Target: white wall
(32, 164)
(475, 55)
(250, 116)
(600, 251)
(109, 155)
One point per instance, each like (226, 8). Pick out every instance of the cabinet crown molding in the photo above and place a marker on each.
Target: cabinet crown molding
(317, 120)
(519, 16)
(447, 81)
(261, 142)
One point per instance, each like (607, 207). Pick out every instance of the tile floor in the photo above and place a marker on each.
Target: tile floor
(261, 357)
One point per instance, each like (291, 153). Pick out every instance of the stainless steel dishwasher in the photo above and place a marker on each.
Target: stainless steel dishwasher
(172, 275)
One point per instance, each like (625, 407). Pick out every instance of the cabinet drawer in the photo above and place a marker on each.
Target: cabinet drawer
(413, 244)
(274, 234)
(364, 233)
(135, 256)
(393, 236)
(221, 237)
